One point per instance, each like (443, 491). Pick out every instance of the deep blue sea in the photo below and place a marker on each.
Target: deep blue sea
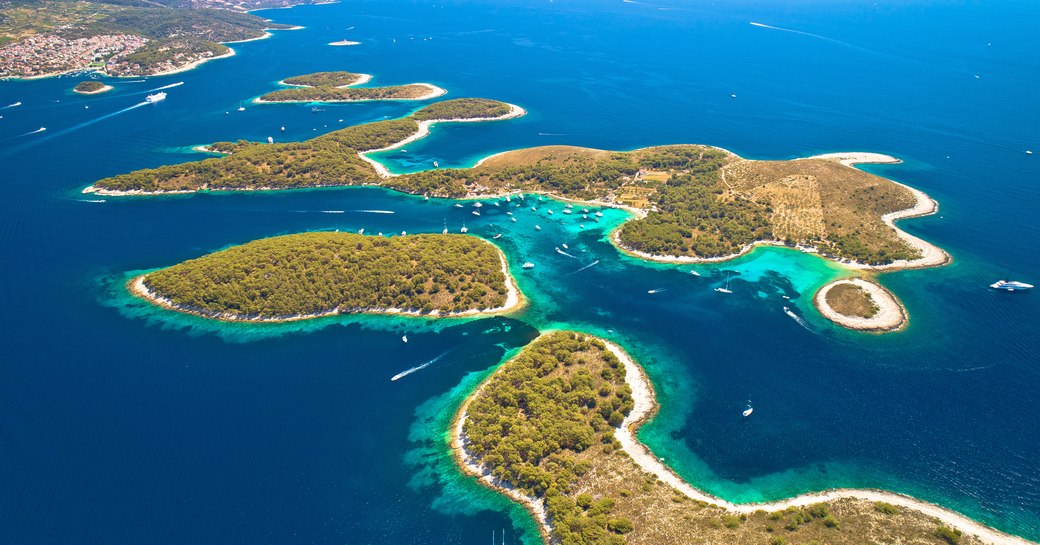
(124, 424)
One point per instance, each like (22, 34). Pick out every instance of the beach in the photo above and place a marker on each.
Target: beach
(891, 314)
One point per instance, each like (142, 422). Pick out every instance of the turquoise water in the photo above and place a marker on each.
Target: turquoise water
(122, 423)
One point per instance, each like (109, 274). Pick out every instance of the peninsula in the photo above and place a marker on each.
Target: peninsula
(308, 275)
(341, 87)
(554, 428)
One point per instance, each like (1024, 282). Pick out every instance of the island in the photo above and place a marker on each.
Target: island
(91, 87)
(341, 87)
(691, 203)
(554, 428)
(333, 159)
(308, 275)
(127, 38)
(857, 303)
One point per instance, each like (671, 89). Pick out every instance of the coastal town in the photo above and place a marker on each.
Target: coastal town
(50, 54)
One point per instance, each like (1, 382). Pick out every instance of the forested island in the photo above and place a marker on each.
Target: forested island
(120, 37)
(552, 427)
(694, 202)
(340, 87)
(315, 274)
(91, 87)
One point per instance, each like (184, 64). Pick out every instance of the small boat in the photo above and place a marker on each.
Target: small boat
(566, 210)
(1010, 285)
(512, 220)
(599, 214)
(509, 213)
(695, 273)
(241, 108)
(476, 213)
(507, 199)
(496, 203)
(270, 140)
(584, 216)
(152, 99)
(584, 210)
(568, 206)
(550, 212)
(478, 204)
(426, 198)
(533, 209)
(436, 164)
(404, 338)
(314, 109)
(463, 230)
(651, 292)
(565, 246)
(747, 412)
(283, 128)
(528, 265)
(458, 205)
(537, 227)
(498, 236)
(404, 233)
(361, 231)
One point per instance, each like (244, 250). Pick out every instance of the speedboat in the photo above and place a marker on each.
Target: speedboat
(156, 97)
(537, 227)
(528, 265)
(695, 273)
(723, 290)
(1010, 285)
(747, 412)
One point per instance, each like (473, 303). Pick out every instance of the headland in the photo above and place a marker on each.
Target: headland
(555, 429)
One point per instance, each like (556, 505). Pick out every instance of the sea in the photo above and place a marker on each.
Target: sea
(121, 423)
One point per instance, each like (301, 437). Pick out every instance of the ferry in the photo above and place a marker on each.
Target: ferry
(528, 265)
(1010, 285)
(155, 98)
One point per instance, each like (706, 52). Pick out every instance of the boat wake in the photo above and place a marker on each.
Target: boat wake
(803, 33)
(801, 321)
(37, 131)
(407, 372)
(658, 290)
(372, 211)
(561, 252)
(594, 263)
(92, 200)
(333, 211)
(170, 86)
(15, 105)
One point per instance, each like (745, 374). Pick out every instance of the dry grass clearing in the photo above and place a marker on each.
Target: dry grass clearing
(851, 300)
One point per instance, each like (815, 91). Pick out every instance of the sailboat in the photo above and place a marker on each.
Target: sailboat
(725, 289)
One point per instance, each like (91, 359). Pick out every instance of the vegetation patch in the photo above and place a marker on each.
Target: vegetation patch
(320, 273)
(851, 300)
